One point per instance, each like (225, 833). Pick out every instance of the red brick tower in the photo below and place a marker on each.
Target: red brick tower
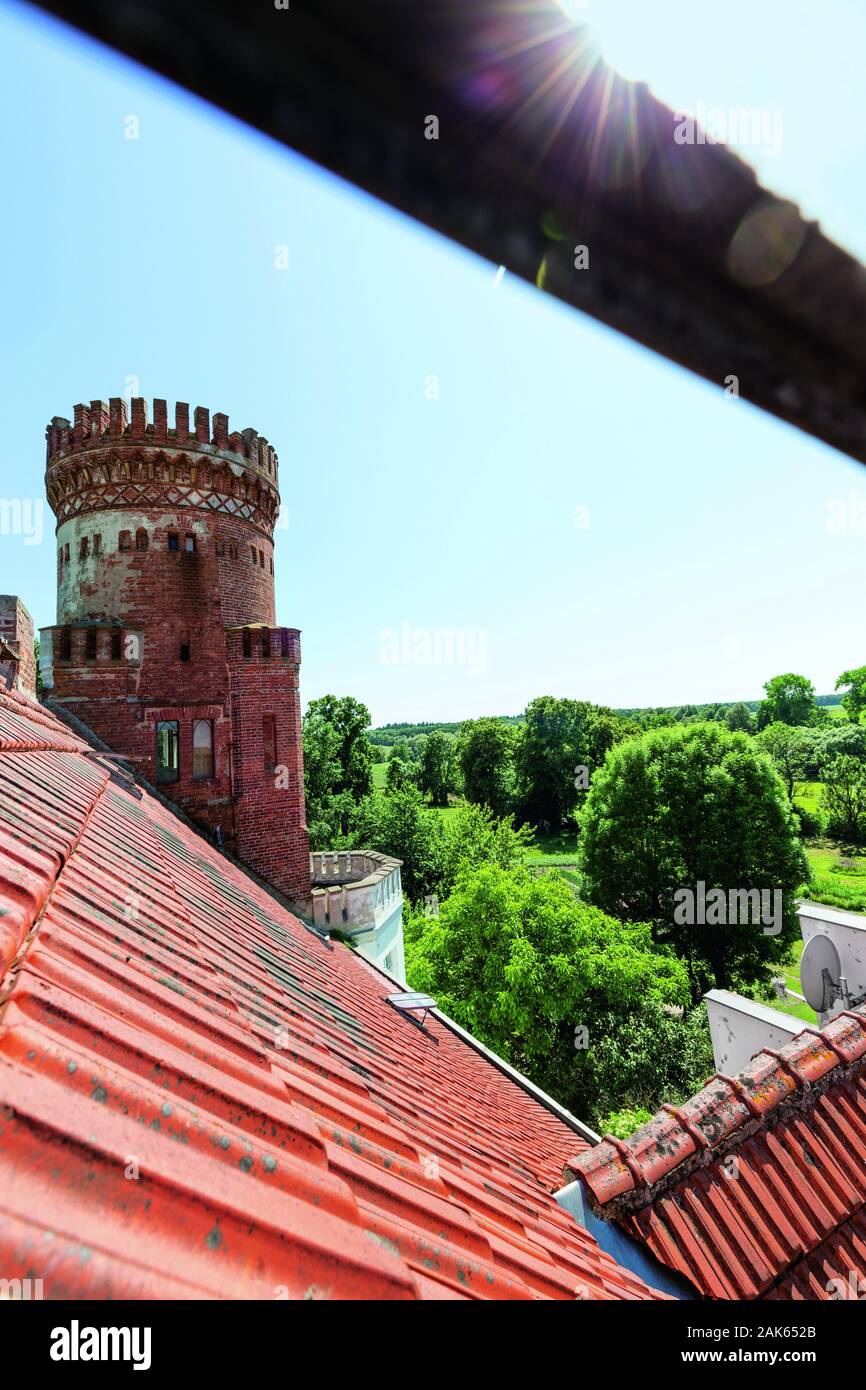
(165, 642)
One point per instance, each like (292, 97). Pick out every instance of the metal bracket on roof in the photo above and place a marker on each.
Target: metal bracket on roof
(409, 1003)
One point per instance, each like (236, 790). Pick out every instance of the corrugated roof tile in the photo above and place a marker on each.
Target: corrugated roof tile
(199, 1099)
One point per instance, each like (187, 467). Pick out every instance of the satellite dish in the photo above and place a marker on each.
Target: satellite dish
(820, 972)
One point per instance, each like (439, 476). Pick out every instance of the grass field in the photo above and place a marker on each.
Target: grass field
(839, 880)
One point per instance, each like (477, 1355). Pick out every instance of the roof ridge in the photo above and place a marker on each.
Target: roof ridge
(626, 1175)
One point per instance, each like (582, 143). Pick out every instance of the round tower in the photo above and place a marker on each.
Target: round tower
(132, 499)
(166, 644)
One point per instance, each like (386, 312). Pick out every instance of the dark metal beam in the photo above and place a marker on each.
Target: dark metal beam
(687, 254)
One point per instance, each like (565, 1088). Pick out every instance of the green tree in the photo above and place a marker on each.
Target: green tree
(486, 750)
(350, 720)
(538, 975)
(399, 824)
(739, 719)
(844, 796)
(437, 769)
(690, 805)
(791, 750)
(338, 762)
(557, 738)
(398, 775)
(853, 682)
(790, 700)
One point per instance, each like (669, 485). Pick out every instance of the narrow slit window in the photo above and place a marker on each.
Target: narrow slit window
(97, 544)
(167, 751)
(90, 644)
(83, 547)
(141, 539)
(116, 649)
(202, 749)
(266, 644)
(189, 543)
(124, 540)
(247, 643)
(66, 645)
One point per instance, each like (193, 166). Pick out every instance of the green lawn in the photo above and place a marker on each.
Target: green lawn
(553, 850)
(380, 772)
(808, 795)
(837, 880)
(791, 972)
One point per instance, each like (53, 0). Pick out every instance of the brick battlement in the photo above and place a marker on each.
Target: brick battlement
(100, 425)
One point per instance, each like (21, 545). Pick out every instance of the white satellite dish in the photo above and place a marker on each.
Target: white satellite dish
(820, 973)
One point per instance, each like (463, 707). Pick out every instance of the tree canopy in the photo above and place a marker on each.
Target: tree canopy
(680, 807)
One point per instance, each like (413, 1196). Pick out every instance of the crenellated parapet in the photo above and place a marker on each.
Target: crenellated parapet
(109, 456)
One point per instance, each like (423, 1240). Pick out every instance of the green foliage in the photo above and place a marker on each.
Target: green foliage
(338, 763)
(557, 737)
(486, 750)
(437, 769)
(853, 682)
(739, 719)
(398, 823)
(522, 964)
(399, 774)
(790, 700)
(791, 749)
(654, 1057)
(680, 806)
(622, 1123)
(844, 796)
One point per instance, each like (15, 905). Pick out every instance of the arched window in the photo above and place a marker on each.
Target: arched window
(167, 751)
(124, 540)
(202, 749)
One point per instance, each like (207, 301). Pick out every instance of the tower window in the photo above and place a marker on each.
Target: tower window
(190, 543)
(66, 645)
(116, 644)
(184, 647)
(262, 558)
(218, 544)
(269, 742)
(247, 642)
(233, 550)
(284, 643)
(83, 547)
(167, 751)
(202, 749)
(253, 553)
(173, 540)
(141, 539)
(97, 544)
(124, 540)
(90, 644)
(271, 563)
(266, 644)
(66, 553)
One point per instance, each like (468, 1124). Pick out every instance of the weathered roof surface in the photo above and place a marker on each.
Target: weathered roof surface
(755, 1187)
(199, 1098)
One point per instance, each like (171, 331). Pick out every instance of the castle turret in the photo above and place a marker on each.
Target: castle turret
(166, 643)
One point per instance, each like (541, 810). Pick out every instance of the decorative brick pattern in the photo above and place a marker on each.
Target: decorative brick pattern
(164, 560)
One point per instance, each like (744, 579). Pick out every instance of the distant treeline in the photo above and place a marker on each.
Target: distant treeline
(388, 734)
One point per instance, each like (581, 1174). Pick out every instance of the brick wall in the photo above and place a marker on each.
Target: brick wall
(164, 554)
(16, 633)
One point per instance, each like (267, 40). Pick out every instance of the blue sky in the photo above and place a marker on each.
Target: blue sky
(707, 564)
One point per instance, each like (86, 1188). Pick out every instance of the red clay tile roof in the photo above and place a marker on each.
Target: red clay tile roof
(159, 1135)
(756, 1186)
